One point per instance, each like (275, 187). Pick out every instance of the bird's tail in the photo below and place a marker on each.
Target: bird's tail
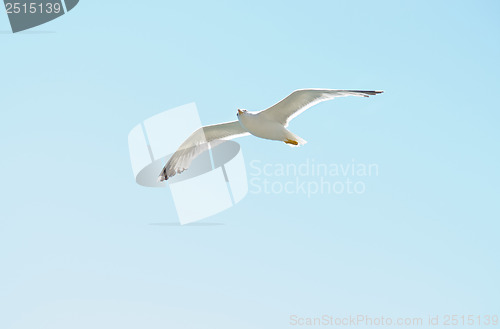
(294, 140)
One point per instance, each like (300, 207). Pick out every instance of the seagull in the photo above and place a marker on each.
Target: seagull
(269, 124)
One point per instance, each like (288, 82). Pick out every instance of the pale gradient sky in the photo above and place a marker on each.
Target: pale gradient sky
(77, 248)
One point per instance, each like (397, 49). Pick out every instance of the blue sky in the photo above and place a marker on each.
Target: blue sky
(77, 246)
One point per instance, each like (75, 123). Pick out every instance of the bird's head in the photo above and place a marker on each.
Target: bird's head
(241, 112)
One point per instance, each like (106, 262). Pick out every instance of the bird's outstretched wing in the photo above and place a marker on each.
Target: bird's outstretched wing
(197, 143)
(300, 100)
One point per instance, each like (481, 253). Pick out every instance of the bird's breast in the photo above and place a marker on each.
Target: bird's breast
(263, 128)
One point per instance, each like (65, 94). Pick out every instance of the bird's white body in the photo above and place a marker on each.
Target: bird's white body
(267, 129)
(270, 124)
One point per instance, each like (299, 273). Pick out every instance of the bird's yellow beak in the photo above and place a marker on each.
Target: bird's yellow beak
(240, 111)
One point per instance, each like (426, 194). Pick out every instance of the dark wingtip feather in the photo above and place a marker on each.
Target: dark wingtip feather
(368, 92)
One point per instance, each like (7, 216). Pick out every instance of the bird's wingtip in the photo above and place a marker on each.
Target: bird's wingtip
(375, 92)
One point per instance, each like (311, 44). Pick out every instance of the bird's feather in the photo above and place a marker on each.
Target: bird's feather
(300, 100)
(197, 143)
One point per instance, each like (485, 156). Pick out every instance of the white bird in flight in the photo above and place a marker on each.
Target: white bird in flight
(270, 124)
